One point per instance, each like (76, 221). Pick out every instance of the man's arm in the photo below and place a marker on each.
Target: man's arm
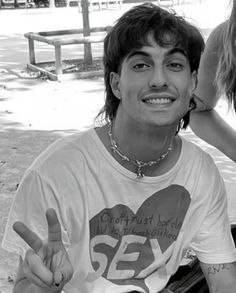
(221, 278)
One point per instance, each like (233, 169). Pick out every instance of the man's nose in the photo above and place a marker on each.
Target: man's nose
(158, 78)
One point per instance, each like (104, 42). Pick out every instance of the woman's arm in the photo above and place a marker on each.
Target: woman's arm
(206, 89)
(209, 126)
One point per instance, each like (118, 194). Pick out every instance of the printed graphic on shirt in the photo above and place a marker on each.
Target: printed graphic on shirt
(126, 246)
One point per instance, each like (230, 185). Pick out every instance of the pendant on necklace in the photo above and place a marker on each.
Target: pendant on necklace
(139, 172)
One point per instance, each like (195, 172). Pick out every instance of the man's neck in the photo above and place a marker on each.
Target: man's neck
(142, 147)
(143, 143)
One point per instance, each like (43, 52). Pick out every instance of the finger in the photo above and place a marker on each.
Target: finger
(58, 278)
(54, 226)
(38, 268)
(31, 277)
(28, 236)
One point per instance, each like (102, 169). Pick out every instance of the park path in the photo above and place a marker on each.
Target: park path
(34, 112)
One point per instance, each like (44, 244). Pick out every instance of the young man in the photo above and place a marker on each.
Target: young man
(132, 195)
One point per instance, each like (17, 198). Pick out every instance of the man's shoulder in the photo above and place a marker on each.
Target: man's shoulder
(63, 149)
(205, 173)
(197, 153)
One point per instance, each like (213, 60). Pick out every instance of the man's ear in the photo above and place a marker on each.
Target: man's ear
(115, 84)
(194, 81)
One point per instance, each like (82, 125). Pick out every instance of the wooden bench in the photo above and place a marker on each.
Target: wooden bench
(101, 3)
(11, 3)
(55, 38)
(178, 2)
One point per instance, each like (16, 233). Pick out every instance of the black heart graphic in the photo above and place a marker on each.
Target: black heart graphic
(120, 240)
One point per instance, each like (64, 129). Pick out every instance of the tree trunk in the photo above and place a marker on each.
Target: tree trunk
(16, 5)
(88, 59)
(52, 3)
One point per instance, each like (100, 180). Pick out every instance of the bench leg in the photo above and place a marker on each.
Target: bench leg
(90, 7)
(58, 63)
(79, 6)
(31, 51)
(100, 5)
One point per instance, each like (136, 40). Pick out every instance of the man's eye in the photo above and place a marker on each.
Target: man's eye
(175, 66)
(140, 66)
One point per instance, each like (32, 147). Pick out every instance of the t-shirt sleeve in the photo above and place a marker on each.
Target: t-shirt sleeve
(214, 242)
(33, 198)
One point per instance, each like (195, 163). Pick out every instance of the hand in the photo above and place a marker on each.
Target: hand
(46, 265)
(200, 105)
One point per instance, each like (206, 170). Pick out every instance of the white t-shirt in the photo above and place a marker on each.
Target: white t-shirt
(123, 233)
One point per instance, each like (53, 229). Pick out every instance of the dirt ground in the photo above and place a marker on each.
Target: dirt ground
(34, 111)
(29, 123)
(17, 151)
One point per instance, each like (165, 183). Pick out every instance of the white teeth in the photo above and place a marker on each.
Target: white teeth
(158, 101)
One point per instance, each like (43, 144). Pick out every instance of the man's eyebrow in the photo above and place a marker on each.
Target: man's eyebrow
(168, 53)
(138, 52)
(177, 50)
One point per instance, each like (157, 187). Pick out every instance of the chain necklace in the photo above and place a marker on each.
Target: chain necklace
(139, 164)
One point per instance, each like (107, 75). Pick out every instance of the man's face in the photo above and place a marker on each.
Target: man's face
(154, 85)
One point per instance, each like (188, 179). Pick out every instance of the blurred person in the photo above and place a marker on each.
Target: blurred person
(217, 79)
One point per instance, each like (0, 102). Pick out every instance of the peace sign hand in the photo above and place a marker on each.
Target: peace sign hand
(46, 265)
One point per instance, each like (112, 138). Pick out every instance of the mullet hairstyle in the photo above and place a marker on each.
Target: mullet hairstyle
(226, 71)
(131, 31)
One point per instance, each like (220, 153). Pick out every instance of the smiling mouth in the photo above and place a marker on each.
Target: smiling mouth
(158, 101)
